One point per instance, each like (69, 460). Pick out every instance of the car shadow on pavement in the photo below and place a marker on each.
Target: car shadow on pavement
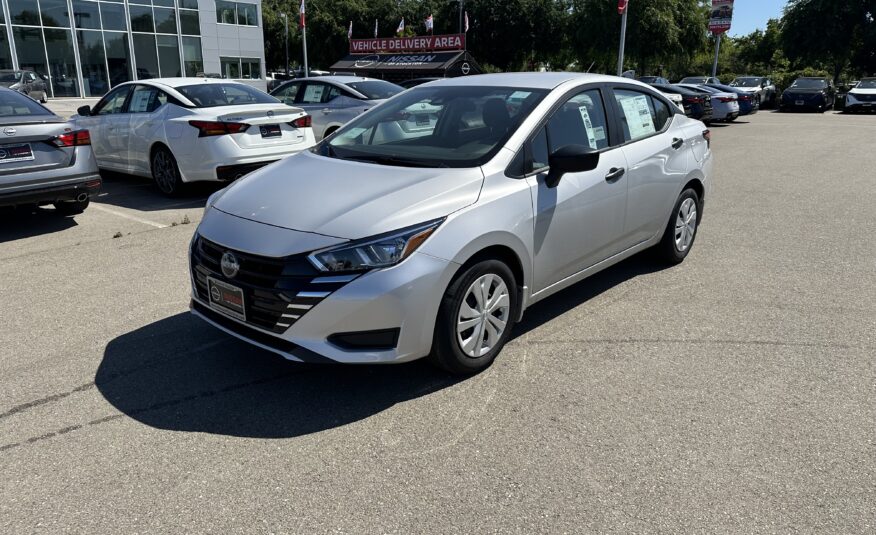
(25, 222)
(139, 193)
(181, 374)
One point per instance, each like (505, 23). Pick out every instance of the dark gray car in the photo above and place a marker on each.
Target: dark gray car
(25, 82)
(43, 159)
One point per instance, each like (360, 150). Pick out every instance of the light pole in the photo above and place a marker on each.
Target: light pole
(461, 14)
(286, 33)
(624, 8)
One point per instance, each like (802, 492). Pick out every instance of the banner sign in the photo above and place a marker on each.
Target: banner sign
(408, 44)
(721, 16)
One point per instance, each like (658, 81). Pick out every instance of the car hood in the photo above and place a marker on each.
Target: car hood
(348, 199)
(749, 89)
(8, 84)
(863, 91)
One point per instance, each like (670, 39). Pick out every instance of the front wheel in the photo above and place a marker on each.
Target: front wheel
(475, 318)
(681, 231)
(165, 171)
(44, 99)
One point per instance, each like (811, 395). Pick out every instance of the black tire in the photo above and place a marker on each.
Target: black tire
(71, 207)
(446, 351)
(165, 172)
(668, 250)
(44, 99)
(330, 131)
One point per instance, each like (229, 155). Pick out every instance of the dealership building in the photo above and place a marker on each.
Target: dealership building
(85, 47)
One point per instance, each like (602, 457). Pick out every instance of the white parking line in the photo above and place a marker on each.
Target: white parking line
(128, 216)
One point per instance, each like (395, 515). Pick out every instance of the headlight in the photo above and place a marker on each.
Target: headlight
(377, 252)
(850, 97)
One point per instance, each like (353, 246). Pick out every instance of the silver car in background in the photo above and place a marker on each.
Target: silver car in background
(427, 226)
(332, 101)
(44, 159)
(725, 106)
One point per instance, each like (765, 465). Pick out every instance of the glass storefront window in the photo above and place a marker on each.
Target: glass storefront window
(118, 57)
(188, 4)
(162, 3)
(251, 68)
(246, 15)
(62, 63)
(230, 67)
(86, 15)
(31, 50)
(165, 20)
(168, 55)
(6, 52)
(189, 23)
(146, 57)
(55, 13)
(113, 16)
(194, 61)
(141, 19)
(226, 12)
(93, 63)
(24, 12)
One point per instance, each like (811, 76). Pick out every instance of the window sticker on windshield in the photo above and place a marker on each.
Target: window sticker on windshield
(139, 102)
(638, 115)
(588, 125)
(519, 95)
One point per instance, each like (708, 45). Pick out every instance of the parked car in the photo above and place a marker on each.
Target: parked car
(26, 82)
(676, 99)
(180, 130)
(725, 106)
(699, 80)
(809, 93)
(407, 84)
(862, 97)
(44, 159)
(762, 87)
(749, 103)
(334, 100)
(653, 80)
(696, 104)
(388, 244)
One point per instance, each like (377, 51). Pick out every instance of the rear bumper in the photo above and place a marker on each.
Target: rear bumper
(227, 173)
(87, 184)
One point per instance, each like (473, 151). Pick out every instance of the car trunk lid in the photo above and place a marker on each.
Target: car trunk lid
(28, 146)
(268, 124)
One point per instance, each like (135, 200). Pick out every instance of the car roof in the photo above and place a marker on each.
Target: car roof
(338, 78)
(530, 80)
(181, 82)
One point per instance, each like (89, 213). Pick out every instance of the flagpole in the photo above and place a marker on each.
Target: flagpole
(304, 43)
(717, 50)
(461, 8)
(623, 40)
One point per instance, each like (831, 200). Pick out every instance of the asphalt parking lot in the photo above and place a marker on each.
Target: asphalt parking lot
(733, 393)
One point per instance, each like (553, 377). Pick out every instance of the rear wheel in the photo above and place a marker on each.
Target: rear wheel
(71, 207)
(681, 231)
(165, 171)
(475, 318)
(44, 99)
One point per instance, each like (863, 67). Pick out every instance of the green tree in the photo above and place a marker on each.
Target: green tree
(824, 32)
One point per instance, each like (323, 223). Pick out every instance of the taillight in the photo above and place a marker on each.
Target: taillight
(727, 99)
(217, 128)
(694, 100)
(707, 135)
(73, 139)
(744, 97)
(305, 121)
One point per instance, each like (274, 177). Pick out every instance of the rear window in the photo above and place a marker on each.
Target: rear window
(809, 83)
(10, 76)
(14, 104)
(211, 95)
(376, 89)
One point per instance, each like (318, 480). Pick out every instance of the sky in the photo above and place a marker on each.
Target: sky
(750, 15)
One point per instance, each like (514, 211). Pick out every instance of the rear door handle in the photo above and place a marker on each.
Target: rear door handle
(326, 110)
(677, 143)
(615, 174)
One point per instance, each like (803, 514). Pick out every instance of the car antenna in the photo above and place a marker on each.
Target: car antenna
(590, 67)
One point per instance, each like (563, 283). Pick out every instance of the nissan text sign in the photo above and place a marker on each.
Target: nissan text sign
(721, 16)
(408, 44)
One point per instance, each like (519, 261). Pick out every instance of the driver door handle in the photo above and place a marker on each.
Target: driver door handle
(326, 110)
(677, 143)
(614, 174)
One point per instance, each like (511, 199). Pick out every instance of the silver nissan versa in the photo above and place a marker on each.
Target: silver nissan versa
(428, 225)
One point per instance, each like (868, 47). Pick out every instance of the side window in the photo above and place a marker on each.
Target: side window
(331, 93)
(637, 114)
(146, 99)
(539, 151)
(288, 93)
(580, 121)
(112, 103)
(662, 113)
(313, 93)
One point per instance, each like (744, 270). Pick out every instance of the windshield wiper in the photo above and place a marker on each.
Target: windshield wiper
(393, 160)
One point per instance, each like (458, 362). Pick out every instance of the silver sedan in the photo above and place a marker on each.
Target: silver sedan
(429, 225)
(332, 101)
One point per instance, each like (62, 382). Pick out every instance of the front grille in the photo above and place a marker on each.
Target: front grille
(864, 98)
(277, 291)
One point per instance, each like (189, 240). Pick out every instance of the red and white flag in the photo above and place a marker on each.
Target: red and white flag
(401, 25)
(622, 6)
(466, 22)
(301, 15)
(429, 23)
(350, 31)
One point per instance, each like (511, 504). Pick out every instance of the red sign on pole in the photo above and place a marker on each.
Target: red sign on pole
(408, 44)
(721, 16)
(622, 6)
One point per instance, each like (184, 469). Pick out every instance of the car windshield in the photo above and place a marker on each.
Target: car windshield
(376, 89)
(206, 95)
(444, 126)
(14, 104)
(648, 79)
(10, 76)
(867, 84)
(747, 82)
(808, 83)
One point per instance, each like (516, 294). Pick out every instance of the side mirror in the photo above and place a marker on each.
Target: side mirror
(570, 159)
(84, 111)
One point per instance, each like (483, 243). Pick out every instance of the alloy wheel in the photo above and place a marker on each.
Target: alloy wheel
(483, 315)
(164, 171)
(685, 225)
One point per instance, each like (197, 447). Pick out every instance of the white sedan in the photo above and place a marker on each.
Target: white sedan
(179, 130)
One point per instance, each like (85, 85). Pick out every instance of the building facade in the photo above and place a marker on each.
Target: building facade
(85, 47)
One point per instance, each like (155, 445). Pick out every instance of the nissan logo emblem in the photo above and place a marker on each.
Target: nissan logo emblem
(3, 154)
(270, 113)
(466, 68)
(215, 294)
(9, 131)
(230, 266)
